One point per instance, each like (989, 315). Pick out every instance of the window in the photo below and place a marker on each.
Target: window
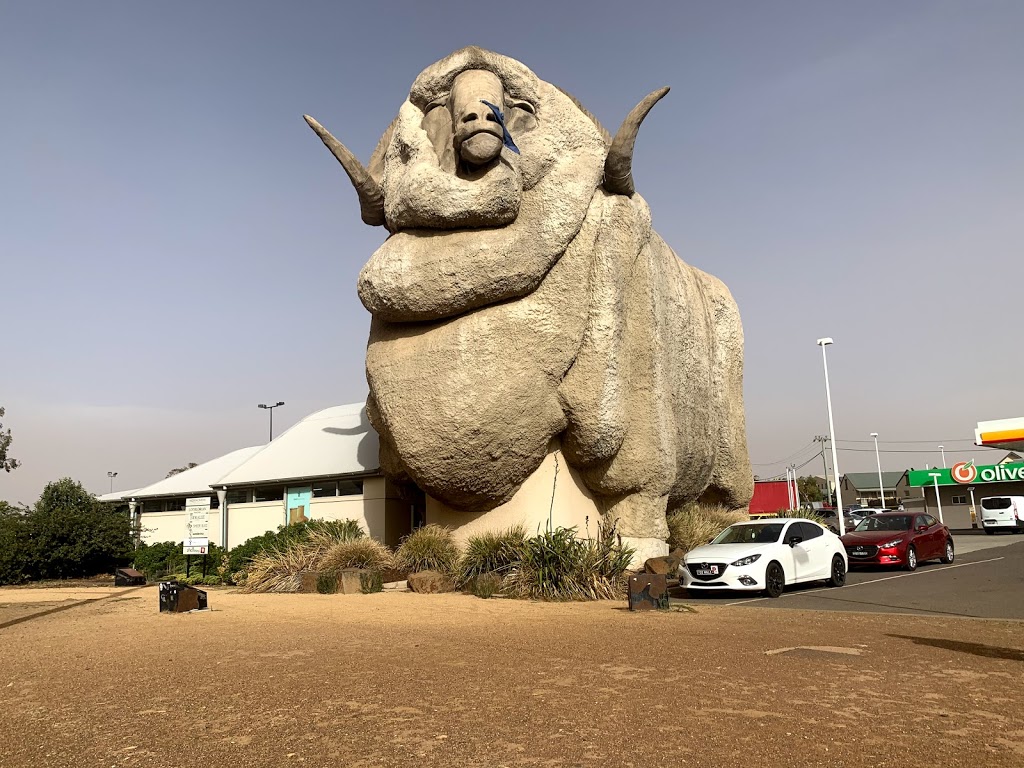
(239, 496)
(996, 502)
(959, 499)
(929, 520)
(809, 531)
(320, 490)
(350, 487)
(174, 505)
(268, 493)
(215, 501)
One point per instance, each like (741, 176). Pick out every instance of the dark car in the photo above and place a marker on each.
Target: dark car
(898, 538)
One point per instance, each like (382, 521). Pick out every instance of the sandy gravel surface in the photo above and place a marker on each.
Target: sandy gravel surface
(451, 680)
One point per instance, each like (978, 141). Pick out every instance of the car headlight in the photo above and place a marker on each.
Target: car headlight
(889, 544)
(747, 560)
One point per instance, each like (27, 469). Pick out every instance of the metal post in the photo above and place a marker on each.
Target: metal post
(974, 511)
(789, 490)
(943, 449)
(824, 464)
(796, 490)
(832, 439)
(878, 463)
(938, 501)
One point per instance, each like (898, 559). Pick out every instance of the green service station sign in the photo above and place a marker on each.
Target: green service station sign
(967, 473)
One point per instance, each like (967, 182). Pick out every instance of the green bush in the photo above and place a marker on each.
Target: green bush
(66, 534)
(277, 567)
(491, 553)
(162, 558)
(558, 566)
(370, 581)
(326, 583)
(430, 548)
(486, 585)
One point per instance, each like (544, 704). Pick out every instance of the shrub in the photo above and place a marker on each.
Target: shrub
(326, 583)
(491, 553)
(784, 514)
(356, 553)
(241, 556)
(277, 568)
(430, 548)
(558, 566)
(695, 524)
(370, 581)
(486, 585)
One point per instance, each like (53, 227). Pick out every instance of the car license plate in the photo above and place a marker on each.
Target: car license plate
(711, 570)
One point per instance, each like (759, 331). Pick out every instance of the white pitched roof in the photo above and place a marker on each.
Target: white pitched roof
(334, 441)
(195, 481)
(118, 495)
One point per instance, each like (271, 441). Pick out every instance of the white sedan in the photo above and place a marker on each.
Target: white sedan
(766, 556)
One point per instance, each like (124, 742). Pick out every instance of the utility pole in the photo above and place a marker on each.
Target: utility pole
(828, 488)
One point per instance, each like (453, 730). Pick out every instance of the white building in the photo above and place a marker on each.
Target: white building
(324, 467)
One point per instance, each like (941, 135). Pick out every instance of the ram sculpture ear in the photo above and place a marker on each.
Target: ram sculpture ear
(371, 198)
(618, 165)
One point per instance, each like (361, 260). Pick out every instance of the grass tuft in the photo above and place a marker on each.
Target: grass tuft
(495, 552)
(695, 524)
(430, 548)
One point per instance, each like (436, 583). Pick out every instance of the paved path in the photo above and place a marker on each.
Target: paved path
(985, 581)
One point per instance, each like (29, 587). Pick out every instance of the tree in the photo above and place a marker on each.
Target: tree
(6, 462)
(72, 534)
(809, 489)
(179, 470)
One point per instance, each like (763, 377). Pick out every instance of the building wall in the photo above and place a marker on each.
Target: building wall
(959, 515)
(246, 521)
(573, 506)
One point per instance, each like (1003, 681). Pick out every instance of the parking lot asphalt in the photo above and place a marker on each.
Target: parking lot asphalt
(985, 581)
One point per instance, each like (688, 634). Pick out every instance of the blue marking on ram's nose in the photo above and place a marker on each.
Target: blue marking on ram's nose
(501, 121)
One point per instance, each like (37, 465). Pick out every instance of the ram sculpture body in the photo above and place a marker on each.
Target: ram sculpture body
(523, 301)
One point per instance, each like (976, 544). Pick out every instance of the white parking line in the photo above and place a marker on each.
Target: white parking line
(873, 581)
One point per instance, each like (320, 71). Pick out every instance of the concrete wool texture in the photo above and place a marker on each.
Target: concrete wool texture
(520, 302)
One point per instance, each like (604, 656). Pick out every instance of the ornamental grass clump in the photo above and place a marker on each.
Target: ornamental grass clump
(279, 568)
(696, 524)
(495, 552)
(356, 553)
(430, 548)
(558, 566)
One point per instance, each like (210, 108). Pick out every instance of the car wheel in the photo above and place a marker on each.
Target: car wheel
(838, 577)
(948, 557)
(774, 580)
(911, 562)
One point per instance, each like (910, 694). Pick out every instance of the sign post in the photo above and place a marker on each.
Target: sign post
(197, 530)
(935, 479)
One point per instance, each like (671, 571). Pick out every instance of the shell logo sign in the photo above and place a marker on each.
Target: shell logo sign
(964, 472)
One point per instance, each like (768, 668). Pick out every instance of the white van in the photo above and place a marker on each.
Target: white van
(1002, 513)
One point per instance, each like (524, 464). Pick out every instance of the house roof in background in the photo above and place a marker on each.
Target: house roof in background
(195, 481)
(335, 441)
(869, 480)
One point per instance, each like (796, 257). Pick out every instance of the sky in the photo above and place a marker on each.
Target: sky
(176, 246)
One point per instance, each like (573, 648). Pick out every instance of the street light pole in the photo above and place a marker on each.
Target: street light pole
(943, 449)
(974, 513)
(111, 475)
(271, 409)
(878, 463)
(832, 438)
(796, 490)
(935, 479)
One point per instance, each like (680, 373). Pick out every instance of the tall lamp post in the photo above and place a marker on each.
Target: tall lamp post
(271, 409)
(828, 490)
(111, 475)
(832, 438)
(878, 463)
(942, 448)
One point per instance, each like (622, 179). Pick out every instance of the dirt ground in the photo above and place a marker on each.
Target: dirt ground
(450, 680)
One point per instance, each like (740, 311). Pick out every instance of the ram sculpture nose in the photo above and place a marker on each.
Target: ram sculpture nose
(478, 134)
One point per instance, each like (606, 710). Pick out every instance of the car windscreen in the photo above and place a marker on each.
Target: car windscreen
(998, 502)
(884, 523)
(758, 533)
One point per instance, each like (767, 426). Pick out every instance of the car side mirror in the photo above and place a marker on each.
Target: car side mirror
(794, 540)
(922, 528)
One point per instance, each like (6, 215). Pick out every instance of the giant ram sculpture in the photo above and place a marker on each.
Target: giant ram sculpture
(523, 301)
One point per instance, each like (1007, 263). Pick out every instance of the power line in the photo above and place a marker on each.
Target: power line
(905, 442)
(788, 458)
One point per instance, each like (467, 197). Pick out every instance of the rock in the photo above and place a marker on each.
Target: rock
(396, 586)
(665, 566)
(430, 582)
(349, 581)
(307, 581)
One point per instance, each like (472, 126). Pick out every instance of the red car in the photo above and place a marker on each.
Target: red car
(898, 538)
